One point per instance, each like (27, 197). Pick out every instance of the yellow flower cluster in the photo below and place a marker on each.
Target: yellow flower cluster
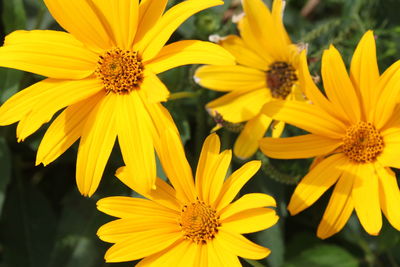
(102, 73)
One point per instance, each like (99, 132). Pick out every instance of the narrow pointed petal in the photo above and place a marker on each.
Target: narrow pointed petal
(176, 166)
(263, 25)
(307, 117)
(122, 19)
(230, 78)
(338, 85)
(298, 147)
(156, 38)
(133, 208)
(391, 152)
(212, 184)
(364, 71)
(135, 140)
(311, 90)
(240, 105)
(150, 12)
(48, 53)
(278, 8)
(247, 142)
(235, 182)
(241, 246)
(208, 157)
(339, 208)
(389, 195)
(83, 20)
(243, 54)
(150, 242)
(213, 259)
(125, 228)
(181, 254)
(228, 257)
(251, 220)
(389, 90)
(53, 99)
(316, 182)
(97, 141)
(366, 198)
(189, 52)
(277, 128)
(154, 89)
(247, 202)
(65, 130)
(163, 193)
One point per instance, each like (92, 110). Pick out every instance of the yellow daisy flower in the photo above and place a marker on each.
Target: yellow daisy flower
(355, 135)
(267, 70)
(191, 223)
(104, 72)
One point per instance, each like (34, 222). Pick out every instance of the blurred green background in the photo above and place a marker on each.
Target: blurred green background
(45, 222)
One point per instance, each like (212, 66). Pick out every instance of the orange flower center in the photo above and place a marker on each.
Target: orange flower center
(362, 143)
(121, 71)
(280, 78)
(199, 222)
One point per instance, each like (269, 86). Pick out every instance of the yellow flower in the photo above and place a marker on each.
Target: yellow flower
(355, 135)
(194, 223)
(268, 65)
(104, 72)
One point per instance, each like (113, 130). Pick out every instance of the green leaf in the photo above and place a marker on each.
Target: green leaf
(14, 16)
(28, 229)
(323, 256)
(5, 170)
(9, 83)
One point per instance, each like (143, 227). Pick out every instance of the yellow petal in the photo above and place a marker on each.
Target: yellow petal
(154, 89)
(312, 92)
(161, 120)
(366, 198)
(241, 246)
(230, 78)
(364, 70)
(150, 12)
(391, 152)
(213, 259)
(389, 195)
(307, 117)
(247, 142)
(52, 99)
(83, 20)
(176, 166)
(48, 53)
(240, 105)
(121, 17)
(247, 202)
(338, 86)
(163, 193)
(133, 208)
(277, 128)
(243, 54)
(189, 52)
(389, 90)
(180, 254)
(208, 157)
(339, 208)
(65, 130)
(212, 183)
(298, 147)
(264, 26)
(251, 220)
(278, 8)
(227, 257)
(316, 182)
(97, 141)
(142, 244)
(118, 230)
(156, 38)
(135, 140)
(235, 182)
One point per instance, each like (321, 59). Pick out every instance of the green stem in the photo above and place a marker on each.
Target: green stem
(181, 95)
